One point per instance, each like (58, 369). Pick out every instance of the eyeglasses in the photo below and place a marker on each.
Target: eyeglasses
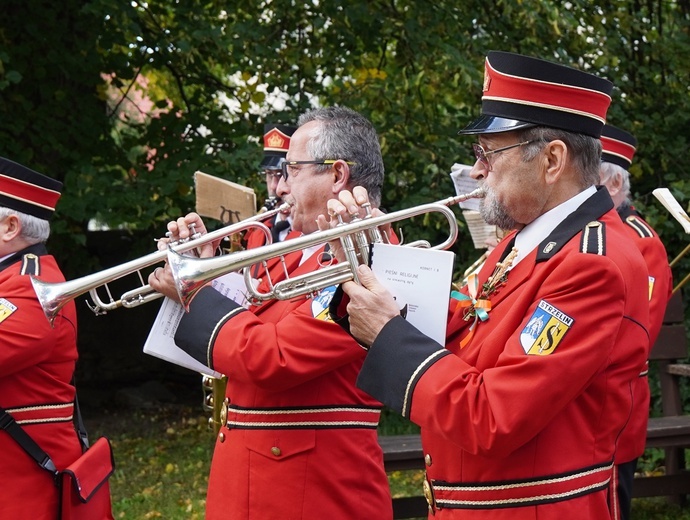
(483, 155)
(288, 164)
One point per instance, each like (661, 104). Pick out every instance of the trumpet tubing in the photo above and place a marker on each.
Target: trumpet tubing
(191, 274)
(54, 296)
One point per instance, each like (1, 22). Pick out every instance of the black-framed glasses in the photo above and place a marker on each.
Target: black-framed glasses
(483, 155)
(287, 164)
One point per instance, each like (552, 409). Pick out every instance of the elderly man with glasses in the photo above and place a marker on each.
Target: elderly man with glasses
(299, 439)
(521, 410)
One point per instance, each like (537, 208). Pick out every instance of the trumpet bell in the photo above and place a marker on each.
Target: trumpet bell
(54, 296)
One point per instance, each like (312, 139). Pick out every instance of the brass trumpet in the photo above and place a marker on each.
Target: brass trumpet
(53, 296)
(191, 274)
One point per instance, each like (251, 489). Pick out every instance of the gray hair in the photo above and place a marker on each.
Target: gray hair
(610, 171)
(34, 230)
(347, 135)
(586, 150)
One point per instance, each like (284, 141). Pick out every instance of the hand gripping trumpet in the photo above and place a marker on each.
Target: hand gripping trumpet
(191, 274)
(53, 296)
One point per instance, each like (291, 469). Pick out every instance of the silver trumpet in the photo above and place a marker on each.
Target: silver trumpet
(191, 274)
(53, 296)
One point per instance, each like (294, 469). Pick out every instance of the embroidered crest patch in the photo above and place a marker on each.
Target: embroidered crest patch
(6, 308)
(320, 303)
(544, 330)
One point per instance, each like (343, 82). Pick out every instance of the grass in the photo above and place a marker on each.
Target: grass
(163, 457)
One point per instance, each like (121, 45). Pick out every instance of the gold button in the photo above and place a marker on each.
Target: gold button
(221, 437)
(276, 451)
(224, 412)
(427, 459)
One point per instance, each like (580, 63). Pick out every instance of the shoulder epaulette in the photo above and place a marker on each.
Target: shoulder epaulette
(594, 238)
(640, 226)
(31, 264)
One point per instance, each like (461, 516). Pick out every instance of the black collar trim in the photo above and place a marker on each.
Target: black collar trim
(592, 209)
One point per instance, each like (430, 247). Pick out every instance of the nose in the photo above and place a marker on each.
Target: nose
(282, 188)
(271, 184)
(479, 170)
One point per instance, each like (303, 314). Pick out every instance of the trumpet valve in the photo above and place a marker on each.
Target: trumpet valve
(193, 233)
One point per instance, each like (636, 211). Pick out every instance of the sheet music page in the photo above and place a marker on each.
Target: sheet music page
(674, 208)
(479, 229)
(460, 174)
(160, 342)
(420, 279)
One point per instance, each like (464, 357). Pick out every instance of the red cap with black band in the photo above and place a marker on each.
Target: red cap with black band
(27, 191)
(618, 146)
(520, 91)
(276, 144)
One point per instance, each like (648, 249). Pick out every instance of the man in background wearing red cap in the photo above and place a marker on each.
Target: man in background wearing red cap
(521, 410)
(36, 361)
(276, 143)
(618, 150)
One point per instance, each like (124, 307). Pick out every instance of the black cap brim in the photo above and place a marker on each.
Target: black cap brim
(493, 125)
(271, 162)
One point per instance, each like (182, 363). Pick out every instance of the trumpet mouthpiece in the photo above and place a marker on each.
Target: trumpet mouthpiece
(479, 193)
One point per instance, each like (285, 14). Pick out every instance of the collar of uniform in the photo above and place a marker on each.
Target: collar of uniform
(592, 209)
(627, 210)
(531, 235)
(36, 249)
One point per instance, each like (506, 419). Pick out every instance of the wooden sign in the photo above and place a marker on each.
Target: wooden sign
(223, 200)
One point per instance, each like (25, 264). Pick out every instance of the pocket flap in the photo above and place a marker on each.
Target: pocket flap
(279, 444)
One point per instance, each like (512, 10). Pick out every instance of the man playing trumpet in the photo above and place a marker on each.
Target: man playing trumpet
(299, 439)
(521, 411)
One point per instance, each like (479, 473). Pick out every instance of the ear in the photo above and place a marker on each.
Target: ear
(341, 176)
(555, 161)
(615, 184)
(10, 228)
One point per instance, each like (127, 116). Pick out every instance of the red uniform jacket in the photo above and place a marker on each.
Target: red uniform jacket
(522, 422)
(300, 440)
(36, 367)
(632, 443)
(255, 238)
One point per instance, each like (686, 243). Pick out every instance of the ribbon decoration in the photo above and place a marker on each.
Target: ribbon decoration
(477, 305)
(473, 304)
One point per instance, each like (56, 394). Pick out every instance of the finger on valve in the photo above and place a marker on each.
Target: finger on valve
(334, 246)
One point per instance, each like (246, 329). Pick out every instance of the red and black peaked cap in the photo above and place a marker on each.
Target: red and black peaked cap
(27, 191)
(276, 144)
(618, 146)
(520, 91)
